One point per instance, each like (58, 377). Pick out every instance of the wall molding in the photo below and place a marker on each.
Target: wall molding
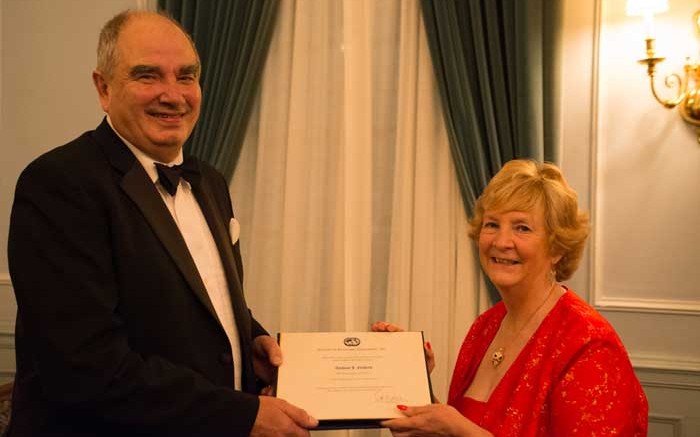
(7, 340)
(648, 306)
(663, 372)
(7, 321)
(676, 422)
(594, 133)
(7, 351)
(6, 328)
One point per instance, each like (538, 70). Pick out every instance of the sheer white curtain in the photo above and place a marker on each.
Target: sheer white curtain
(345, 189)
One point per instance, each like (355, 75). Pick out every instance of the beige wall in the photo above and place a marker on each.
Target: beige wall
(47, 54)
(636, 166)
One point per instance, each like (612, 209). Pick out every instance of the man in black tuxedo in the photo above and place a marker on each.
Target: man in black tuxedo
(131, 315)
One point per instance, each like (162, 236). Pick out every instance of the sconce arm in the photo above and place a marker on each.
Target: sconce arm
(687, 87)
(671, 81)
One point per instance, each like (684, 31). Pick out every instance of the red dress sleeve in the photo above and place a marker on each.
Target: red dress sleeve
(598, 396)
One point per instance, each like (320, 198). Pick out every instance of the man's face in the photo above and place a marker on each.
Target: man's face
(153, 97)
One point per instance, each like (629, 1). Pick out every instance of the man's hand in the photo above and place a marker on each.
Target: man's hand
(277, 418)
(267, 357)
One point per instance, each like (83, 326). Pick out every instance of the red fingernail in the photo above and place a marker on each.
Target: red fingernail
(427, 343)
(402, 407)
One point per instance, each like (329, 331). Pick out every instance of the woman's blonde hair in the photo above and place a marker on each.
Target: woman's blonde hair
(525, 185)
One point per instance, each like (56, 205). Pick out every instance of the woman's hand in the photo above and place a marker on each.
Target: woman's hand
(434, 420)
(427, 349)
(386, 327)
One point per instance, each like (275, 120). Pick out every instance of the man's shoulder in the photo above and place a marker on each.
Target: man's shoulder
(84, 146)
(72, 152)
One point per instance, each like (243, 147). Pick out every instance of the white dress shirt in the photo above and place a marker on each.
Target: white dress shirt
(200, 242)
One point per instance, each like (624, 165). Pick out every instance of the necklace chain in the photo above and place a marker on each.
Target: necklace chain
(498, 356)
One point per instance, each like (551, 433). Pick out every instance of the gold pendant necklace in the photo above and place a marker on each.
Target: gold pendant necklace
(499, 355)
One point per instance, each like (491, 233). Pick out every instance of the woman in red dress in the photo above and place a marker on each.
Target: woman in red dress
(542, 362)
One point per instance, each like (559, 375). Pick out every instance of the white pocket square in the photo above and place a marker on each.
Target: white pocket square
(234, 230)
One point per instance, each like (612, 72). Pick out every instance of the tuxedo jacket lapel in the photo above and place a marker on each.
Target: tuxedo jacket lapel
(140, 188)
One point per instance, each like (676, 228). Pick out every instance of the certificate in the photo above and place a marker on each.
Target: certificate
(353, 379)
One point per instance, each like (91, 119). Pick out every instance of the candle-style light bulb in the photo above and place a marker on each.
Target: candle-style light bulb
(648, 24)
(647, 9)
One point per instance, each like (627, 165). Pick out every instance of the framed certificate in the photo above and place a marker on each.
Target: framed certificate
(353, 379)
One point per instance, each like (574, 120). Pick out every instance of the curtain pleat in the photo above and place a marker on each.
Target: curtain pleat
(496, 64)
(232, 37)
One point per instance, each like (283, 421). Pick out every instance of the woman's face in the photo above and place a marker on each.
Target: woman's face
(513, 249)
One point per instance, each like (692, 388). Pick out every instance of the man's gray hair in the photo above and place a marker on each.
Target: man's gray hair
(107, 53)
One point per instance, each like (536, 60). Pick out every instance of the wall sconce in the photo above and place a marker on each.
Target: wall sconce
(687, 86)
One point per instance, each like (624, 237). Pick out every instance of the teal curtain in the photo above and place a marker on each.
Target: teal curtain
(232, 37)
(496, 63)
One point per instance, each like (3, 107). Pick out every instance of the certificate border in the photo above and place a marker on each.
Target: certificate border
(336, 424)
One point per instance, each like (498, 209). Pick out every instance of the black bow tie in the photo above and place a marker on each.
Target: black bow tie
(169, 177)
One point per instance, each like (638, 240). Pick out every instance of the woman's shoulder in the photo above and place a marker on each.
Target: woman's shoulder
(578, 319)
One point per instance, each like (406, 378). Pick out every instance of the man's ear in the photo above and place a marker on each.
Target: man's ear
(103, 89)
